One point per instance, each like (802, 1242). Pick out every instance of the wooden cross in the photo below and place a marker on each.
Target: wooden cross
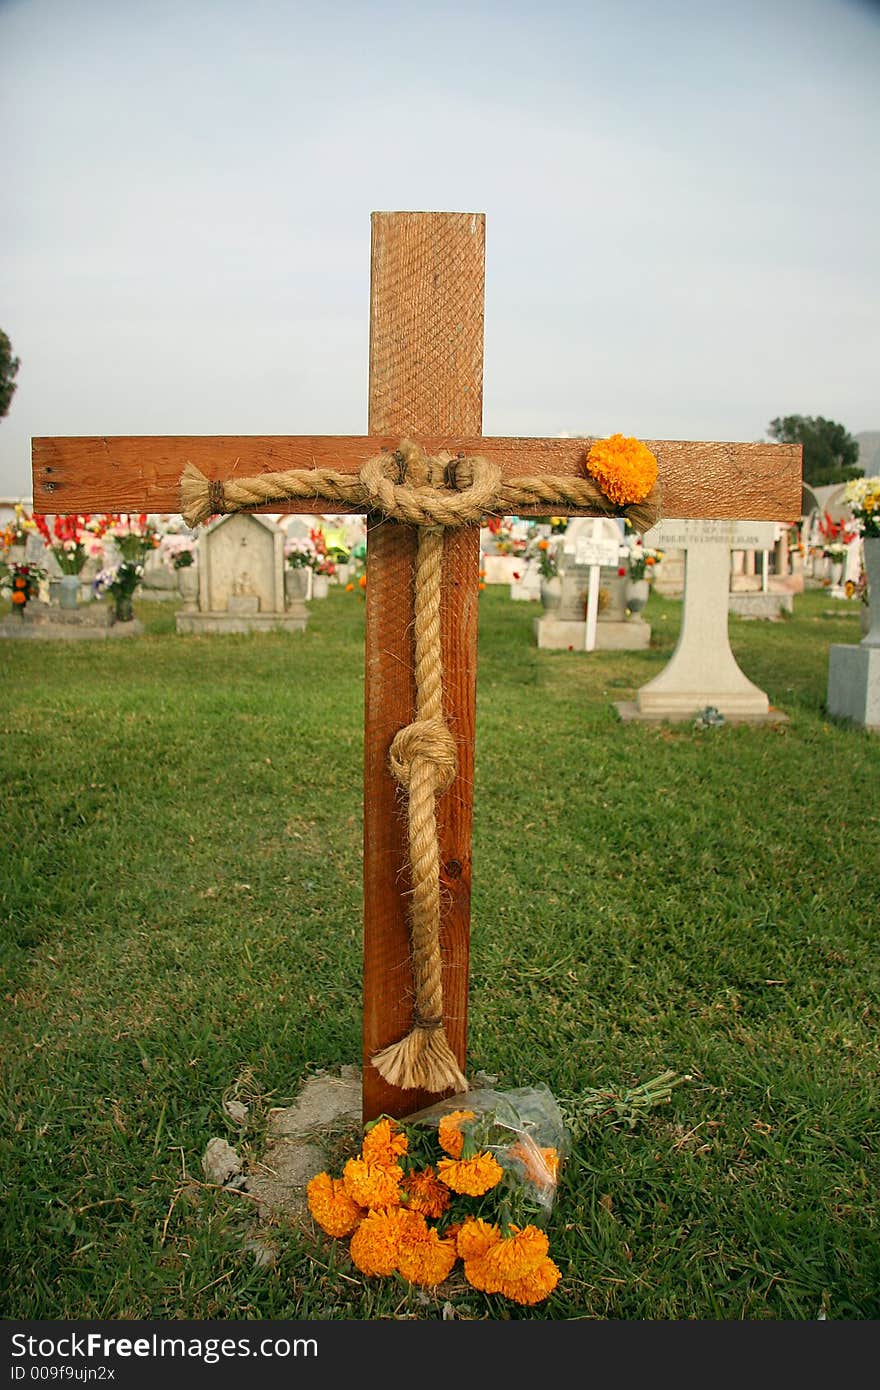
(425, 383)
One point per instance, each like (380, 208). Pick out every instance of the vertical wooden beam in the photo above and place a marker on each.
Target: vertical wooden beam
(426, 378)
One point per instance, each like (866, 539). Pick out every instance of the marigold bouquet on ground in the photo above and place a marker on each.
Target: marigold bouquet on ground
(471, 1179)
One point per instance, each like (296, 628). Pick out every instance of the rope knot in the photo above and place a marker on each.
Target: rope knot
(427, 742)
(408, 485)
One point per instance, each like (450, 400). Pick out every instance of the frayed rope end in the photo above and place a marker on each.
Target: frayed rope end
(423, 1060)
(195, 496)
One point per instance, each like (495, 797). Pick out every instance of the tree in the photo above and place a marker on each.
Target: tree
(9, 365)
(830, 452)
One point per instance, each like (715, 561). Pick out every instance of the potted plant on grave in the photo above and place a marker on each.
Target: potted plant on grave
(178, 551)
(300, 558)
(862, 495)
(324, 566)
(548, 568)
(120, 582)
(22, 582)
(638, 566)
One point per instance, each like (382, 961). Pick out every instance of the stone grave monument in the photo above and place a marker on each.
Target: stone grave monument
(702, 672)
(854, 671)
(241, 580)
(592, 612)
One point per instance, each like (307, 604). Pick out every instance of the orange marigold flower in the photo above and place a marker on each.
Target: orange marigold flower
(349, 588)
(383, 1144)
(423, 1257)
(624, 468)
(19, 597)
(475, 1237)
(362, 582)
(541, 1165)
(470, 1176)
(449, 1133)
(426, 1194)
(374, 1245)
(371, 1185)
(534, 1286)
(481, 586)
(543, 544)
(480, 1276)
(331, 1206)
(515, 1256)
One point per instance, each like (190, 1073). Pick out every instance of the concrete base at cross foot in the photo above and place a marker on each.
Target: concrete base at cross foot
(243, 622)
(629, 712)
(854, 685)
(633, 635)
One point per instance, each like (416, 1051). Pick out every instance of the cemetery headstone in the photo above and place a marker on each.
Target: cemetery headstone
(592, 612)
(241, 580)
(703, 671)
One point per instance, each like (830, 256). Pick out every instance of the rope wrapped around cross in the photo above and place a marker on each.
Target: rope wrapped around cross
(434, 493)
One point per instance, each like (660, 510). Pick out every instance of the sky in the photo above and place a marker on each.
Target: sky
(681, 199)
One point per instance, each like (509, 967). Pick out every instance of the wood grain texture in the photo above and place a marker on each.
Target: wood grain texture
(749, 482)
(426, 356)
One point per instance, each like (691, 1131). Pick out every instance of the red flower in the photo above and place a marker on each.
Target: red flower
(621, 571)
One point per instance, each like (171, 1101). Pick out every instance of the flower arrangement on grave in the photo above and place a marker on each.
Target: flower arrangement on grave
(639, 560)
(470, 1180)
(18, 528)
(177, 550)
(836, 536)
(300, 553)
(70, 540)
(505, 537)
(862, 496)
(120, 582)
(133, 536)
(22, 582)
(548, 564)
(324, 562)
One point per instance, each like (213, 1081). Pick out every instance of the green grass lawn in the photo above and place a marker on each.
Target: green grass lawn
(181, 895)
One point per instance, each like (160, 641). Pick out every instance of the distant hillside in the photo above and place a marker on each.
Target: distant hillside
(869, 451)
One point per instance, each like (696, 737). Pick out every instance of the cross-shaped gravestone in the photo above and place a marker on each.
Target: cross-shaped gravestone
(426, 369)
(702, 671)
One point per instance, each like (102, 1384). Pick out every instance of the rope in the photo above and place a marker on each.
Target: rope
(432, 494)
(406, 485)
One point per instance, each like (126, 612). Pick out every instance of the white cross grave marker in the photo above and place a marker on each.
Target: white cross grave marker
(703, 671)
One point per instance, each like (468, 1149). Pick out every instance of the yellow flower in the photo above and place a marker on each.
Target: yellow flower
(425, 1193)
(422, 1256)
(475, 1237)
(534, 1286)
(517, 1255)
(625, 469)
(384, 1144)
(449, 1132)
(331, 1206)
(374, 1245)
(470, 1176)
(480, 1276)
(371, 1185)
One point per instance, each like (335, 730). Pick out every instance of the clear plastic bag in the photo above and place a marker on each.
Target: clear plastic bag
(524, 1131)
